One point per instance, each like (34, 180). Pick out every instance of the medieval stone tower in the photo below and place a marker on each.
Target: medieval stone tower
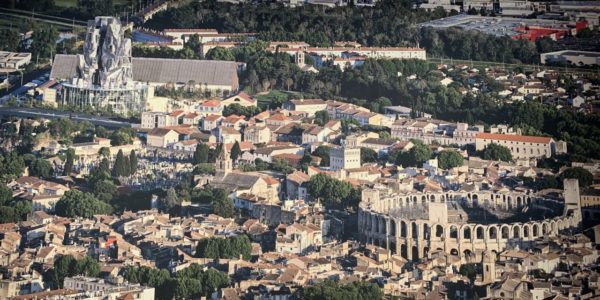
(300, 58)
(489, 267)
(571, 195)
(224, 164)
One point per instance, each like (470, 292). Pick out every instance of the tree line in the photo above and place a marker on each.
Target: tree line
(388, 23)
(189, 283)
(230, 247)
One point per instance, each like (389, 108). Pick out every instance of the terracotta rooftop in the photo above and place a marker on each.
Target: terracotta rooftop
(514, 138)
(279, 117)
(211, 103)
(213, 117)
(176, 113)
(244, 96)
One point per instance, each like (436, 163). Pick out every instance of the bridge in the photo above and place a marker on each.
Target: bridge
(35, 113)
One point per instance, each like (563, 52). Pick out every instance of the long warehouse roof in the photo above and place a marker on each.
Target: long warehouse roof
(161, 70)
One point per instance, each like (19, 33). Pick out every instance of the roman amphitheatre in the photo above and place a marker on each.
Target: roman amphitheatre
(464, 224)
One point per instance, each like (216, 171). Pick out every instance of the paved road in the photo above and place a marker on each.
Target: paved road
(43, 17)
(477, 63)
(52, 114)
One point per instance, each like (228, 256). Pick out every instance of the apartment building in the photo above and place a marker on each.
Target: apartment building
(521, 146)
(341, 158)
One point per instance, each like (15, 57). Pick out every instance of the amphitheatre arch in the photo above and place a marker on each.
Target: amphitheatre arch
(460, 223)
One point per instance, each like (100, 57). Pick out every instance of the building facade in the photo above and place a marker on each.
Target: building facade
(341, 158)
(521, 146)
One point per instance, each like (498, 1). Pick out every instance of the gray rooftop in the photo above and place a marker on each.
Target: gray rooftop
(162, 70)
(236, 181)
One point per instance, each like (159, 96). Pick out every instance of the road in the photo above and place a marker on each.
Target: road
(476, 63)
(53, 114)
(43, 17)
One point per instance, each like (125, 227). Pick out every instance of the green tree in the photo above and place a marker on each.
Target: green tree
(368, 155)
(470, 270)
(121, 137)
(330, 191)
(10, 40)
(43, 44)
(220, 53)
(329, 289)
(105, 190)
(194, 43)
(104, 152)
(11, 166)
(321, 117)
(282, 165)
(103, 133)
(384, 135)
(133, 162)
(68, 168)
(213, 280)
(187, 288)
(7, 214)
(170, 201)
(41, 168)
(497, 152)
(188, 283)
(383, 102)
(119, 166)
(449, 159)
(201, 154)
(230, 247)
(236, 151)
(585, 177)
(5, 194)
(222, 204)
(96, 7)
(63, 267)
(160, 279)
(237, 109)
(22, 209)
(323, 153)
(204, 168)
(68, 266)
(75, 203)
(101, 172)
(414, 157)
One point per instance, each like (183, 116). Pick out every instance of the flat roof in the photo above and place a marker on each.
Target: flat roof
(161, 70)
(575, 53)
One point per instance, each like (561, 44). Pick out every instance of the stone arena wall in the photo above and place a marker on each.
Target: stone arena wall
(415, 238)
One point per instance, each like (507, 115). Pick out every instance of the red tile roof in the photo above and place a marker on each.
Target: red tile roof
(211, 103)
(213, 117)
(234, 119)
(244, 146)
(279, 117)
(270, 180)
(244, 96)
(514, 138)
(176, 113)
